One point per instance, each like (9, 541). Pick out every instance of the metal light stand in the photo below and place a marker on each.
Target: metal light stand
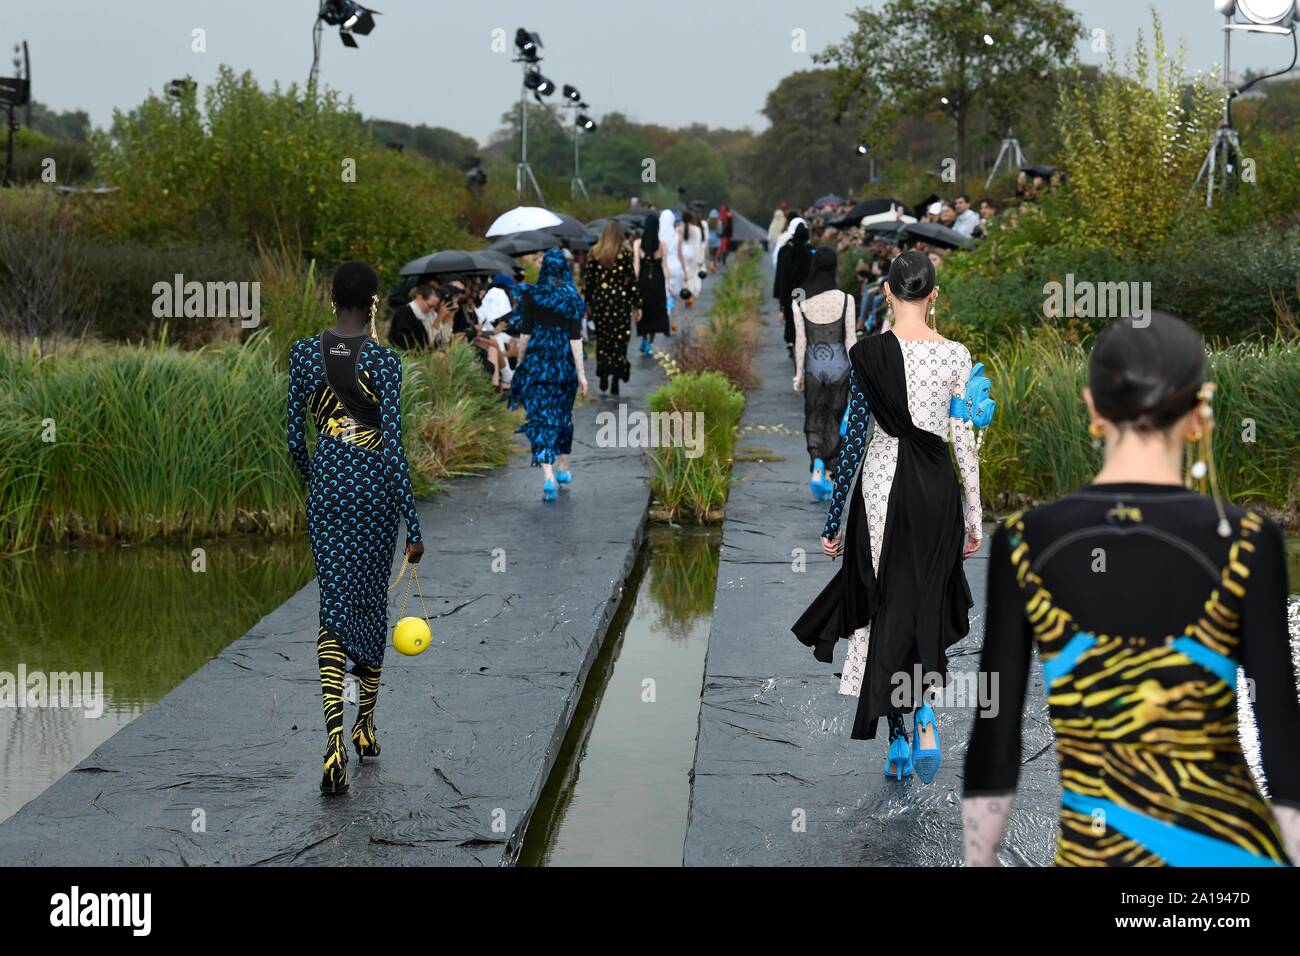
(7, 179)
(524, 172)
(1011, 150)
(316, 29)
(576, 185)
(1226, 143)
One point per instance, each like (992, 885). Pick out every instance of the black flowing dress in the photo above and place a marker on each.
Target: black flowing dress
(654, 297)
(793, 263)
(918, 605)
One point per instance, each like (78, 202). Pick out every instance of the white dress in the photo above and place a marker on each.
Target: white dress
(935, 372)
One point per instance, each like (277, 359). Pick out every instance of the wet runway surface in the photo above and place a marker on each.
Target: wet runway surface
(777, 780)
(225, 768)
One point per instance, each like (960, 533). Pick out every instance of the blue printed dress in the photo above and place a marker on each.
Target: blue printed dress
(546, 381)
(358, 483)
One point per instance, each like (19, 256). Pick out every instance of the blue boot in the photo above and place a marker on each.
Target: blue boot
(817, 479)
(548, 490)
(928, 760)
(563, 477)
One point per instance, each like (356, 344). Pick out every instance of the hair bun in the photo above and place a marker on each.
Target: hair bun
(911, 276)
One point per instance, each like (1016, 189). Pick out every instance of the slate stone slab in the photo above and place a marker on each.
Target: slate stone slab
(469, 729)
(777, 781)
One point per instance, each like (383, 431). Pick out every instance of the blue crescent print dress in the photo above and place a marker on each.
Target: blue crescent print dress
(546, 381)
(358, 483)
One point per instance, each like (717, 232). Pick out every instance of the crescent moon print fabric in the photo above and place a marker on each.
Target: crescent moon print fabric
(358, 489)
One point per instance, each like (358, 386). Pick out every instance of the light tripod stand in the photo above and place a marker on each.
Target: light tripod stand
(1011, 151)
(524, 172)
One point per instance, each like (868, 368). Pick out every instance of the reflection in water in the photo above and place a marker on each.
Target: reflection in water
(143, 617)
(619, 792)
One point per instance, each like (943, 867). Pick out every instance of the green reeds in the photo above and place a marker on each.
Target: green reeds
(139, 442)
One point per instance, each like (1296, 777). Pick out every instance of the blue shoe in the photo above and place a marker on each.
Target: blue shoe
(899, 758)
(563, 477)
(548, 490)
(927, 761)
(828, 489)
(814, 482)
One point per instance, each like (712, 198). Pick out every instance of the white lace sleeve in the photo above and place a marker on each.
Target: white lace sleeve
(850, 323)
(968, 462)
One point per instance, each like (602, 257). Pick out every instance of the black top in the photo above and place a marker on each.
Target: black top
(406, 331)
(339, 354)
(535, 316)
(1138, 567)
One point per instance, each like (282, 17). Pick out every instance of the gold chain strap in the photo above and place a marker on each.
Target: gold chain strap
(406, 594)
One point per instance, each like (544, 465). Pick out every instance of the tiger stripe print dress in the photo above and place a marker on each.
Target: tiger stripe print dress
(358, 482)
(1142, 614)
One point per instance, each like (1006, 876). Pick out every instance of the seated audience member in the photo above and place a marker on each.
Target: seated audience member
(413, 325)
(967, 219)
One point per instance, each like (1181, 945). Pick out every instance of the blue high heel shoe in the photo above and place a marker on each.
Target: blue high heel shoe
(548, 490)
(815, 484)
(563, 477)
(927, 761)
(900, 758)
(828, 487)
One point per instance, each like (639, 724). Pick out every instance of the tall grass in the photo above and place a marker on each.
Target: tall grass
(695, 489)
(1038, 446)
(138, 442)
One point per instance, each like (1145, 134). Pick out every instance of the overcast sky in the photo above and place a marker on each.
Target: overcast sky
(663, 61)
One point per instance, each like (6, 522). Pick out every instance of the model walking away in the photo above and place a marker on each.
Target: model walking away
(550, 371)
(691, 252)
(792, 259)
(613, 298)
(670, 241)
(358, 489)
(900, 597)
(727, 234)
(825, 329)
(652, 280)
(1140, 662)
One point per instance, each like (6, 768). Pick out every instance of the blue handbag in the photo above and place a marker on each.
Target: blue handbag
(976, 406)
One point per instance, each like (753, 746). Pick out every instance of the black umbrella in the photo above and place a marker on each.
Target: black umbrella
(440, 263)
(569, 228)
(884, 229)
(525, 243)
(936, 234)
(869, 207)
(1045, 171)
(491, 261)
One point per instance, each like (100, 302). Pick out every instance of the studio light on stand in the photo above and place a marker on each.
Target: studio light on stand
(1279, 17)
(351, 18)
(528, 54)
(582, 123)
(863, 150)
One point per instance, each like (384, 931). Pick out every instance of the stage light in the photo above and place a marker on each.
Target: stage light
(527, 44)
(1261, 16)
(178, 88)
(988, 40)
(943, 100)
(571, 93)
(538, 83)
(862, 149)
(586, 122)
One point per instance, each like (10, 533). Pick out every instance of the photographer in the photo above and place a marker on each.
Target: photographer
(416, 324)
